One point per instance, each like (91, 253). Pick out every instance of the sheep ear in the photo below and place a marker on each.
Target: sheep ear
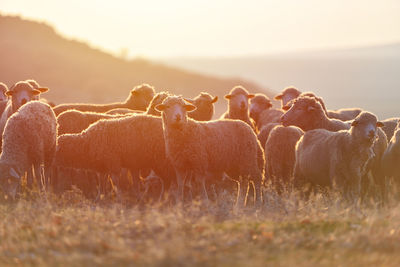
(190, 108)
(160, 107)
(189, 100)
(354, 123)
(14, 173)
(380, 124)
(249, 96)
(215, 99)
(36, 92)
(285, 108)
(133, 92)
(9, 93)
(278, 97)
(43, 89)
(228, 96)
(310, 108)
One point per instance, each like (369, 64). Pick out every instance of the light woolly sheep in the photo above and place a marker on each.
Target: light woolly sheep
(204, 103)
(29, 139)
(122, 111)
(157, 99)
(238, 105)
(138, 99)
(280, 154)
(344, 114)
(3, 90)
(390, 126)
(287, 95)
(307, 113)
(19, 94)
(206, 150)
(75, 121)
(133, 142)
(262, 113)
(42, 89)
(391, 158)
(258, 104)
(340, 158)
(264, 133)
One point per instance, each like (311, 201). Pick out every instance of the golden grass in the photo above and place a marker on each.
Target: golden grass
(72, 231)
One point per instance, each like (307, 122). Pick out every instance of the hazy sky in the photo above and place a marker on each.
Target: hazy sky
(168, 28)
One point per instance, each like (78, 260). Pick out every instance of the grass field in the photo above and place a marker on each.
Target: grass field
(72, 231)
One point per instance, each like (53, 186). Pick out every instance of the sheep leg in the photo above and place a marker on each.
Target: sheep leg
(29, 178)
(242, 192)
(180, 179)
(202, 179)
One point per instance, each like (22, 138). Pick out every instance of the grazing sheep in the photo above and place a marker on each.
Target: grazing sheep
(29, 139)
(204, 103)
(138, 99)
(390, 126)
(287, 95)
(3, 90)
(19, 94)
(265, 131)
(391, 157)
(75, 121)
(133, 142)
(307, 113)
(327, 158)
(280, 154)
(238, 105)
(206, 150)
(262, 113)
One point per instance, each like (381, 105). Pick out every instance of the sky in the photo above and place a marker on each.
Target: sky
(216, 28)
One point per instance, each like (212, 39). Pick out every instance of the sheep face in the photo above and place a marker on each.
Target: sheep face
(239, 99)
(259, 103)
(9, 180)
(36, 86)
(205, 103)
(3, 90)
(288, 94)
(303, 113)
(174, 111)
(140, 97)
(21, 93)
(364, 128)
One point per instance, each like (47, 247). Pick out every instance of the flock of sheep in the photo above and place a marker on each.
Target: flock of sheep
(165, 141)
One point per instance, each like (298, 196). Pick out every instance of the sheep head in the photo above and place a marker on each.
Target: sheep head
(287, 94)
(174, 111)
(10, 179)
(259, 103)
(22, 92)
(238, 99)
(204, 103)
(364, 127)
(140, 97)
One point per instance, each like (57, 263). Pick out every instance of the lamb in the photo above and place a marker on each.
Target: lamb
(138, 99)
(307, 113)
(344, 114)
(74, 121)
(280, 154)
(390, 126)
(208, 149)
(204, 103)
(391, 157)
(287, 94)
(340, 158)
(29, 139)
(134, 142)
(262, 113)
(19, 94)
(238, 105)
(3, 90)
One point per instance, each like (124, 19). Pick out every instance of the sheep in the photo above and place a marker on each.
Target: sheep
(287, 94)
(134, 142)
(75, 121)
(204, 103)
(122, 111)
(238, 105)
(258, 104)
(344, 114)
(280, 154)
(29, 139)
(340, 158)
(265, 131)
(19, 94)
(307, 113)
(36, 86)
(391, 157)
(3, 90)
(138, 99)
(390, 126)
(208, 149)
(157, 99)
(262, 113)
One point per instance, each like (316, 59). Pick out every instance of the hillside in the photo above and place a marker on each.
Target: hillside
(77, 72)
(366, 77)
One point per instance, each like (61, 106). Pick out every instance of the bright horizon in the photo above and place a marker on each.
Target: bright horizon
(160, 29)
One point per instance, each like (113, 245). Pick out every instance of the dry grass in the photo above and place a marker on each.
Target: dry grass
(70, 230)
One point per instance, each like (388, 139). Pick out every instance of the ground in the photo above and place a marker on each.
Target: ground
(73, 231)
